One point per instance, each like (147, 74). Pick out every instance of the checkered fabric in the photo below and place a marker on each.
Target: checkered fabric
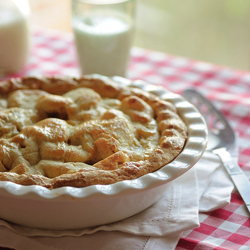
(226, 228)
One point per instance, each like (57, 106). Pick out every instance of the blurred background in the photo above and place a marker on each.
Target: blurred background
(212, 31)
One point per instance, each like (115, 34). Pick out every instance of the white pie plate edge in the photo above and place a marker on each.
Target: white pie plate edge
(36, 206)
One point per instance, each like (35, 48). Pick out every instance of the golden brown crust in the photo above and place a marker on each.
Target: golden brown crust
(84, 131)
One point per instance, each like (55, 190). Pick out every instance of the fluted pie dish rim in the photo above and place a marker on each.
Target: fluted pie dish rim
(193, 150)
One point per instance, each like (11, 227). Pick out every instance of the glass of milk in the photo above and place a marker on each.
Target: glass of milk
(14, 35)
(103, 31)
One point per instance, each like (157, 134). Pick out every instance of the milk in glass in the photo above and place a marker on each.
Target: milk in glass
(14, 37)
(103, 44)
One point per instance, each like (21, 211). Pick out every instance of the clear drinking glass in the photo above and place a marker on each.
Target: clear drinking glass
(14, 35)
(103, 31)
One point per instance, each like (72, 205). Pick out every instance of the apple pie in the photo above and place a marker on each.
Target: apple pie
(84, 131)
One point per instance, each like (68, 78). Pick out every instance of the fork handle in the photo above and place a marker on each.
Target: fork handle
(237, 175)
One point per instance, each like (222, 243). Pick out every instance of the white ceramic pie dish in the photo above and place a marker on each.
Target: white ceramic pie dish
(76, 208)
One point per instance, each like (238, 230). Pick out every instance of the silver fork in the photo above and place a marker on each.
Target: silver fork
(221, 138)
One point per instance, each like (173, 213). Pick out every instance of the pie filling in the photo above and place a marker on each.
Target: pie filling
(84, 131)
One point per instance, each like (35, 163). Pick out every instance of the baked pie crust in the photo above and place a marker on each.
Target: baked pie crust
(78, 132)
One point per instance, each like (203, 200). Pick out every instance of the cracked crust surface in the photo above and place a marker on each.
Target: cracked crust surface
(78, 132)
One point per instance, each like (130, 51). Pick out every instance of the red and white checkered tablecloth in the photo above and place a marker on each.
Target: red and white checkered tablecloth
(226, 228)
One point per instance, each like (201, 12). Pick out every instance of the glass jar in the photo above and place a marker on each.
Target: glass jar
(14, 35)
